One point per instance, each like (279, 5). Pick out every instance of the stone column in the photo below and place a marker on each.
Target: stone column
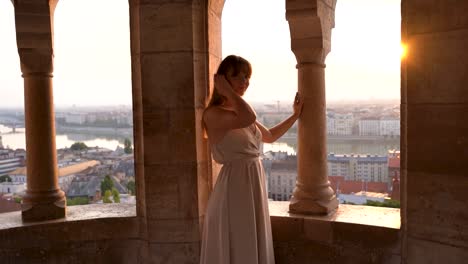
(310, 24)
(34, 32)
(170, 64)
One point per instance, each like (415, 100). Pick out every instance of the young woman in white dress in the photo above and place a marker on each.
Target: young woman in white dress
(237, 227)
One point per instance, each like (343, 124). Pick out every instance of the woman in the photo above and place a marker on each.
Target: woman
(237, 226)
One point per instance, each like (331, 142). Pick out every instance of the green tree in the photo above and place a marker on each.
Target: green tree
(18, 199)
(115, 195)
(128, 149)
(392, 203)
(131, 187)
(106, 198)
(79, 146)
(107, 184)
(5, 178)
(386, 203)
(77, 201)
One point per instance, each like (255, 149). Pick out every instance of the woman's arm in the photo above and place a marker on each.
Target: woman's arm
(272, 134)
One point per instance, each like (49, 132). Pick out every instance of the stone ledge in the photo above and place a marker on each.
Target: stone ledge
(352, 234)
(351, 214)
(74, 213)
(369, 226)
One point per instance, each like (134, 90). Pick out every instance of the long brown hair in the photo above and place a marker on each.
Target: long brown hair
(231, 63)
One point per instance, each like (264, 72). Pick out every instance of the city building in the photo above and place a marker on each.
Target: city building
(340, 124)
(347, 174)
(342, 186)
(330, 123)
(394, 172)
(75, 118)
(282, 179)
(369, 127)
(362, 197)
(89, 185)
(10, 160)
(66, 173)
(12, 187)
(394, 164)
(389, 127)
(369, 168)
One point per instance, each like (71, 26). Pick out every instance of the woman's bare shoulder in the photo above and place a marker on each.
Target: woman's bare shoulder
(215, 114)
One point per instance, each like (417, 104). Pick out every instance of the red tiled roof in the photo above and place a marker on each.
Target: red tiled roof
(284, 165)
(8, 205)
(348, 187)
(64, 171)
(394, 162)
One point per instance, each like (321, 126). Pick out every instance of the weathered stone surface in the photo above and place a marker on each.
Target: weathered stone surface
(35, 211)
(172, 253)
(354, 234)
(434, 208)
(166, 27)
(167, 80)
(75, 215)
(87, 234)
(95, 251)
(171, 191)
(34, 23)
(427, 16)
(216, 6)
(437, 67)
(170, 136)
(437, 138)
(424, 251)
(204, 185)
(174, 230)
(201, 80)
(286, 228)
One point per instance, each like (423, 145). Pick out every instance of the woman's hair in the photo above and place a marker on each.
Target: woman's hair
(231, 64)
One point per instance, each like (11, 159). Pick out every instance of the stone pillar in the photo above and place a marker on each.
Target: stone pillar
(170, 64)
(310, 24)
(34, 32)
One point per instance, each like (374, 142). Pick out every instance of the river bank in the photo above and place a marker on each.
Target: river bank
(97, 131)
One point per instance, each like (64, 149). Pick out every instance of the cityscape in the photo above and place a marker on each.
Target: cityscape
(96, 165)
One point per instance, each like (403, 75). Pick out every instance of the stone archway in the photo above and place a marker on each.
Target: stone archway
(310, 24)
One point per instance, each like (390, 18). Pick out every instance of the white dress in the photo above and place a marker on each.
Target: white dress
(237, 228)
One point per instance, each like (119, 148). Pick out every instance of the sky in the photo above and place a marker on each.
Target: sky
(92, 54)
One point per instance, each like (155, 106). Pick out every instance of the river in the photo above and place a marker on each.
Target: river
(17, 140)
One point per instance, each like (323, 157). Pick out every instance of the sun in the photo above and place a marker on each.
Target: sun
(403, 50)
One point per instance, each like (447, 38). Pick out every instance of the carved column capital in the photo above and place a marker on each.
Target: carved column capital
(35, 35)
(310, 25)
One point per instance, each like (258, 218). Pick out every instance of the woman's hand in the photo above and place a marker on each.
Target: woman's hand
(222, 85)
(298, 104)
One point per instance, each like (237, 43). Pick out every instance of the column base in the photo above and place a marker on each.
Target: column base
(37, 209)
(313, 207)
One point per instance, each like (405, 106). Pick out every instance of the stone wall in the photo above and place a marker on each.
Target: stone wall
(435, 131)
(106, 233)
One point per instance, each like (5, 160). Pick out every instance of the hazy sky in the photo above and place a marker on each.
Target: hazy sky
(92, 52)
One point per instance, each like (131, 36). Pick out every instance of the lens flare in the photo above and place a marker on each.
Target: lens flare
(403, 50)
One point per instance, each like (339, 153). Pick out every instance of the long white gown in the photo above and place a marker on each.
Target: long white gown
(237, 228)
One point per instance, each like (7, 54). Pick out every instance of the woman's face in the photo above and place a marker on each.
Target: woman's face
(240, 82)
